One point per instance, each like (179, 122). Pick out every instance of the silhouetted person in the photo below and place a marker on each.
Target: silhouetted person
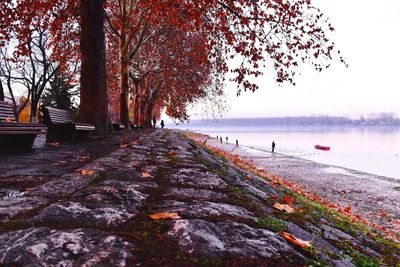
(154, 122)
(273, 146)
(162, 124)
(220, 139)
(226, 139)
(237, 143)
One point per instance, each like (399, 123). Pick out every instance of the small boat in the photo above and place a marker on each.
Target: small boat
(322, 147)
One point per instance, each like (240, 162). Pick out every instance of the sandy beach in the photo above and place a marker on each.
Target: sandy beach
(375, 198)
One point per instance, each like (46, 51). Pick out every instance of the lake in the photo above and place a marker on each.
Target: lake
(373, 150)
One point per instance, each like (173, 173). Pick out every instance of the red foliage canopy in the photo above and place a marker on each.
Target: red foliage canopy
(246, 32)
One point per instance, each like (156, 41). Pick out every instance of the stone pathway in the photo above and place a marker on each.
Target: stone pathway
(97, 213)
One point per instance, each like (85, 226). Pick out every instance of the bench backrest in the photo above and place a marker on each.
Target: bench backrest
(57, 116)
(6, 112)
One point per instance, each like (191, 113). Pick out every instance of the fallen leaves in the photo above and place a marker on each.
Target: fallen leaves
(8, 119)
(165, 215)
(390, 233)
(147, 175)
(347, 209)
(288, 200)
(110, 189)
(283, 207)
(87, 172)
(125, 144)
(294, 240)
(54, 144)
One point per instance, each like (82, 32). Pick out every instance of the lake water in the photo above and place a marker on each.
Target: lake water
(373, 150)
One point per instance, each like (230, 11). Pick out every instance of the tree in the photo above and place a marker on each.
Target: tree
(62, 20)
(1, 92)
(94, 93)
(61, 94)
(251, 32)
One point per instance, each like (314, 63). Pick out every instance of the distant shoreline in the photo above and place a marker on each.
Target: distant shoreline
(380, 120)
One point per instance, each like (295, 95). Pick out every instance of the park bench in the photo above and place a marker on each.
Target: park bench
(14, 135)
(63, 128)
(117, 126)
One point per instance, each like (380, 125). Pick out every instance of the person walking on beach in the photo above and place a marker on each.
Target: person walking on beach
(162, 124)
(226, 139)
(220, 139)
(237, 143)
(273, 146)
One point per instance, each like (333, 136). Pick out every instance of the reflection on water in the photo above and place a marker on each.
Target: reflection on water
(370, 149)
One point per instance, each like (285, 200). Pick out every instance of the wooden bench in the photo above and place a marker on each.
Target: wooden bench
(63, 128)
(14, 135)
(117, 126)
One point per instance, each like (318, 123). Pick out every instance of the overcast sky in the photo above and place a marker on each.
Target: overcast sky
(367, 33)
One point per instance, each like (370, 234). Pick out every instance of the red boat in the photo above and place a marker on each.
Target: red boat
(322, 147)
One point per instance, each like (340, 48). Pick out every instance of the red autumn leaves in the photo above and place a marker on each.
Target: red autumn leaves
(170, 54)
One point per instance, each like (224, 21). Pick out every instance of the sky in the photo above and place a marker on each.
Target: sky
(367, 33)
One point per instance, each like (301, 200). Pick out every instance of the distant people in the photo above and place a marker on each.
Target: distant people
(217, 137)
(154, 122)
(273, 146)
(237, 143)
(226, 139)
(162, 124)
(220, 139)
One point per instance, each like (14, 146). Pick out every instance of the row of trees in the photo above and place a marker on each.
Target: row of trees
(139, 57)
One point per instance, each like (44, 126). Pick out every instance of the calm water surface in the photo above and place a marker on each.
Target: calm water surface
(370, 149)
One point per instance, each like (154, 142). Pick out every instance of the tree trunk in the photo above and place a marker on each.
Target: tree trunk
(149, 117)
(136, 110)
(124, 101)
(34, 104)
(94, 106)
(1, 92)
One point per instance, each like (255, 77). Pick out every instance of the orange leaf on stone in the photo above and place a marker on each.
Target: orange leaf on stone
(146, 175)
(110, 189)
(288, 200)
(347, 209)
(171, 153)
(8, 119)
(123, 145)
(165, 215)
(87, 172)
(283, 207)
(54, 144)
(295, 241)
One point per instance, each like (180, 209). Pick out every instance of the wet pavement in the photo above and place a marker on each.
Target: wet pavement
(90, 204)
